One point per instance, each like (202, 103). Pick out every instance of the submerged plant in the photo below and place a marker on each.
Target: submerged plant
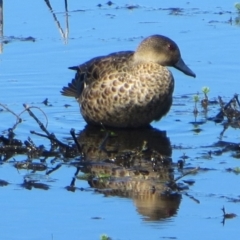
(236, 170)
(204, 102)
(237, 6)
(206, 90)
(196, 100)
(105, 237)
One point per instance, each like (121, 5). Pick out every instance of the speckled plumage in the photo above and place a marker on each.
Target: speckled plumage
(128, 89)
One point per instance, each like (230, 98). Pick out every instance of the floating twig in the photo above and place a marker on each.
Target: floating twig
(72, 132)
(44, 129)
(19, 120)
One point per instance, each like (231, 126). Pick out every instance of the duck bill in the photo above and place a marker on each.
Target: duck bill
(181, 66)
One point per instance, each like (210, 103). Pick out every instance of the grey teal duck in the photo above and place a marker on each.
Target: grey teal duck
(128, 89)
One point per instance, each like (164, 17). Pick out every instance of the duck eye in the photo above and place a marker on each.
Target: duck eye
(171, 47)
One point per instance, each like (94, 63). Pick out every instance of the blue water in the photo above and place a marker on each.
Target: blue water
(32, 71)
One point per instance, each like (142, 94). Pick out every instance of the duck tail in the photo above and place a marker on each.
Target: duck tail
(75, 87)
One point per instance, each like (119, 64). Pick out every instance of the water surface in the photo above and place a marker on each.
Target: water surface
(37, 47)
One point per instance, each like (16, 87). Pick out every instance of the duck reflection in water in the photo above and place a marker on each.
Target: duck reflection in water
(129, 89)
(132, 163)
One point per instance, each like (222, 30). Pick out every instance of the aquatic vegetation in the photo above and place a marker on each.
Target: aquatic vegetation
(237, 6)
(105, 237)
(236, 170)
(205, 90)
(128, 163)
(196, 100)
(204, 101)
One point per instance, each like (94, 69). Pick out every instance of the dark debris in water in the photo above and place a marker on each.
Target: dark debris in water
(189, 181)
(109, 3)
(234, 170)
(142, 167)
(32, 184)
(30, 166)
(46, 102)
(129, 163)
(227, 17)
(137, 169)
(6, 40)
(228, 116)
(175, 11)
(3, 183)
(227, 215)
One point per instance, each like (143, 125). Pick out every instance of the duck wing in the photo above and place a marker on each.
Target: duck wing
(94, 69)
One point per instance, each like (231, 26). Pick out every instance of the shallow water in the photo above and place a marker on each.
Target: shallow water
(31, 71)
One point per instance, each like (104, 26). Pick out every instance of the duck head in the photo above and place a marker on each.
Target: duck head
(161, 50)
